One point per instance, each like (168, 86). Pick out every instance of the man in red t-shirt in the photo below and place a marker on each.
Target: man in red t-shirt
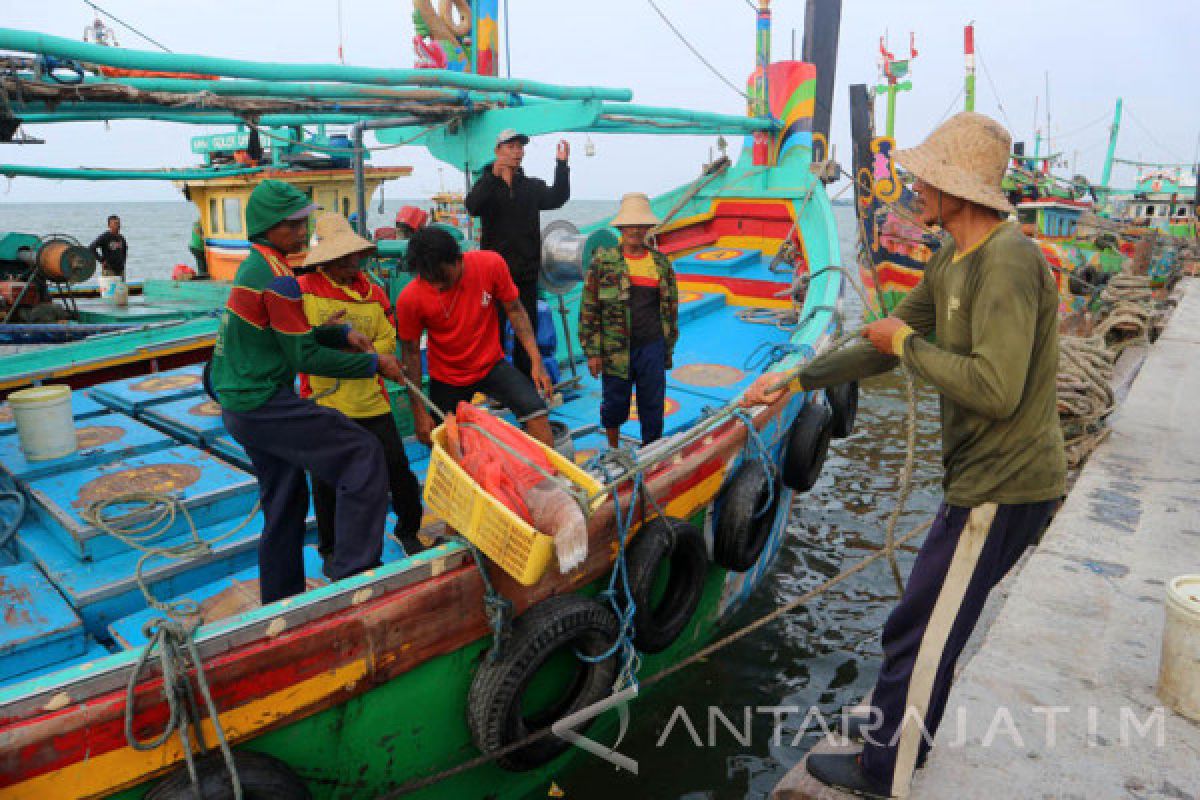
(453, 300)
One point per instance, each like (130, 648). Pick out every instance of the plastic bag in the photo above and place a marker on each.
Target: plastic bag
(555, 513)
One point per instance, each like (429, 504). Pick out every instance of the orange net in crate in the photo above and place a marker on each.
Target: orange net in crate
(488, 481)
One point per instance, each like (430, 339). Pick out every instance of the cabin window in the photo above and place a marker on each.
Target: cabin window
(231, 214)
(213, 220)
(346, 207)
(1181, 211)
(1026, 216)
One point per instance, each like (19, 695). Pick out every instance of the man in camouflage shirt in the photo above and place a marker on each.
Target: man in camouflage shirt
(629, 323)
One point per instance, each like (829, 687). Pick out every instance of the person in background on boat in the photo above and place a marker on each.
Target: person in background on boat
(509, 205)
(451, 300)
(981, 328)
(263, 341)
(629, 322)
(196, 248)
(111, 249)
(409, 220)
(338, 290)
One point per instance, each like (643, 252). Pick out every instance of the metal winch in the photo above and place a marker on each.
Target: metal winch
(566, 254)
(29, 264)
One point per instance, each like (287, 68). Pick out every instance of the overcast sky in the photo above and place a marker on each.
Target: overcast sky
(1093, 50)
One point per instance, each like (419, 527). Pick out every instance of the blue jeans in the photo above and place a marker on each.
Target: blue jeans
(647, 372)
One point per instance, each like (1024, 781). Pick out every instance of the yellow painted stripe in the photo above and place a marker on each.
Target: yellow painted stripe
(695, 498)
(734, 299)
(93, 366)
(101, 775)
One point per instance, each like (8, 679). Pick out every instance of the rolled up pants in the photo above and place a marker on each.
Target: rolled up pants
(287, 437)
(967, 552)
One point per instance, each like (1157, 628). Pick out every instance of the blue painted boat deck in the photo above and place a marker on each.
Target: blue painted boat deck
(159, 433)
(739, 263)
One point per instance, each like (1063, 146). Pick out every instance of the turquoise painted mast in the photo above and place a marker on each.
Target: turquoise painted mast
(1114, 131)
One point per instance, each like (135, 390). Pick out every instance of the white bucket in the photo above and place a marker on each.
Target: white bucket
(114, 289)
(45, 424)
(1179, 671)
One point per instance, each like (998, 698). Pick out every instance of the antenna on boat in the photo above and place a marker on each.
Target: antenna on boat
(969, 58)
(341, 53)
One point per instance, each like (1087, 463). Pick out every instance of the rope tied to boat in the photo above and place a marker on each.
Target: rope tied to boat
(176, 645)
(618, 593)
(152, 517)
(757, 449)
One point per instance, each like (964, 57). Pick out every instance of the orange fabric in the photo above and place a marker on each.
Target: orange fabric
(503, 475)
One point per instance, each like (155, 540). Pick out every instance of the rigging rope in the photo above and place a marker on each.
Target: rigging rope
(696, 52)
(129, 27)
(999, 103)
(1146, 130)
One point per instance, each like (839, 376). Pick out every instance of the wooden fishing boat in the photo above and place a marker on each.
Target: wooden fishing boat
(895, 247)
(355, 688)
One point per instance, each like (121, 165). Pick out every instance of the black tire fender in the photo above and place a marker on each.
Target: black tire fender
(494, 712)
(843, 403)
(263, 777)
(806, 447)
(743, 524)
(679, 547)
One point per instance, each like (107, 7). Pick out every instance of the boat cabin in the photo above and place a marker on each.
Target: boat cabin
(221, 201)
(1051, 219)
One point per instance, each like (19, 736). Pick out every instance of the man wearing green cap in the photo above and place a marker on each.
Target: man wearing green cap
(263, 341)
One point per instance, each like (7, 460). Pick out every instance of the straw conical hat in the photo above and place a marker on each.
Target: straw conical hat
(634, 210)
(333, 238)
(966, 157)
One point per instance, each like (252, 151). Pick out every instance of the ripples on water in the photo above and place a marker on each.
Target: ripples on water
(825, 655)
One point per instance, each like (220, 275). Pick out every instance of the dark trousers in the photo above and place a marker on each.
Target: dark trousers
(402, 484)
(527, 288)
(648, 373)
(503, 383)
(967, 552)
(286, 437)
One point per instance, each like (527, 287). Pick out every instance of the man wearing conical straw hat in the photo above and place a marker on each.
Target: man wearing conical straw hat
(337, 289)
(629, 322)
(981, 328)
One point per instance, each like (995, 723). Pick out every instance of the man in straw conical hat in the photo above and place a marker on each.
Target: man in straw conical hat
(337, 289)
(981, 328)
(629, 322)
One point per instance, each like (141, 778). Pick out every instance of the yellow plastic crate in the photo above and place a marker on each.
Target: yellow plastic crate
(513, 544)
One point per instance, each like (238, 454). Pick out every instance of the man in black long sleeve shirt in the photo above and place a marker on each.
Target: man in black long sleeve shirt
(111, 249)
(509, 204)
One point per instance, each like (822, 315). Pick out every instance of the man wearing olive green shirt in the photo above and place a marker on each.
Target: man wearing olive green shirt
(982, 328)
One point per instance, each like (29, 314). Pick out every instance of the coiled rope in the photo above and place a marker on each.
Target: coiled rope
(172, 635)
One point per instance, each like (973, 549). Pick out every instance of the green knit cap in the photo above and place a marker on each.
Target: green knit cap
(271, 203)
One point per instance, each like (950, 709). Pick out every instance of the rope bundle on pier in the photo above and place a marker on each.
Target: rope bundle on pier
(1085, 394)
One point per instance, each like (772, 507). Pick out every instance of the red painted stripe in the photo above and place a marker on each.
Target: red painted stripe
(638, 280)
(248, 304)
(285, 314)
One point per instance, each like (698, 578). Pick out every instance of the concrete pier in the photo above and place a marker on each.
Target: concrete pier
(1058, 700)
